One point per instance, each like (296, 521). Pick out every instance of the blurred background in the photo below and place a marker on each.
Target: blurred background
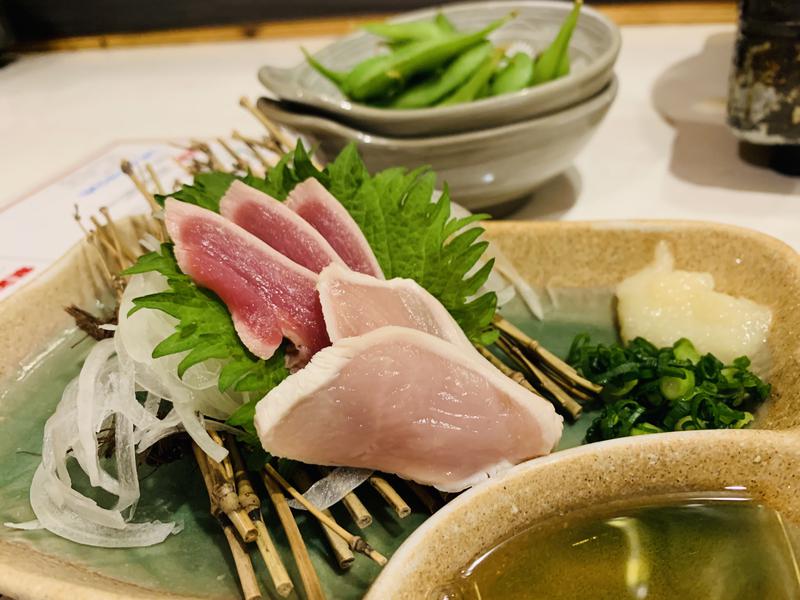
(33, 22)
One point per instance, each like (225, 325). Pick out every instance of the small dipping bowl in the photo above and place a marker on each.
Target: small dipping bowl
(762, 464)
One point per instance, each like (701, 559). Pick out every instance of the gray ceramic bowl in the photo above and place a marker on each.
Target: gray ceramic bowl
(593, 50)
(487, 169)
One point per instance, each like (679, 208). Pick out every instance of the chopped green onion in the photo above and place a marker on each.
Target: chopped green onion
(648, 389)
(685, 350)
(673, 388)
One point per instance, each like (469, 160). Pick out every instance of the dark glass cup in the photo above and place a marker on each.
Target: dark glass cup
(764, 97)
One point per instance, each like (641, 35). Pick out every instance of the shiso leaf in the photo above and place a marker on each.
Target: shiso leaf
(411, 236)
(416, 238)
(205, 329)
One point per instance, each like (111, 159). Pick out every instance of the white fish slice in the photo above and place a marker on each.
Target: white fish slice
(402, 401)
(354, 304)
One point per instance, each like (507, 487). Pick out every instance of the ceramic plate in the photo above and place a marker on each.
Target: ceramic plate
(579, 262)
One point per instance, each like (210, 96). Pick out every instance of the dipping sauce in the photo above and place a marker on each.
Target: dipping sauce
(709, 547)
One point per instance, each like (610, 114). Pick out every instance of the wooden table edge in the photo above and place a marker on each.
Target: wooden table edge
(637, 13)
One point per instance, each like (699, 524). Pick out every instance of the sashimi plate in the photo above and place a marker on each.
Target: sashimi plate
(575, 265)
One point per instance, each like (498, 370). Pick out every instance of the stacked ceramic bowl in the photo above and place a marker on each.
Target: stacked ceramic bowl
(491, 152)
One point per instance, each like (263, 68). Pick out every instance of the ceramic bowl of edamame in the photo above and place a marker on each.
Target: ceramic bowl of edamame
(490, 169)
(411, 76)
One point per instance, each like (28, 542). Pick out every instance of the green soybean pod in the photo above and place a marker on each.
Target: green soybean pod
(473, 86)
(378, 61)
(337, 77)
(406, 32)
(514, 76)
(418, 57)
(436, 87)
(554, 61)
(340, 78)
(444, 24)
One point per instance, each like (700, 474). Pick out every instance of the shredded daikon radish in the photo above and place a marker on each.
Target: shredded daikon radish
(72, 432)
(140, 332)
(66, 523)
(149, 242)
(333, 487)
(102, 398)
(87, 397)
(504, 279)
(25, 526)
(167, 426)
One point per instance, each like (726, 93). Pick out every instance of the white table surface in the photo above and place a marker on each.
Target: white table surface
(662, 152)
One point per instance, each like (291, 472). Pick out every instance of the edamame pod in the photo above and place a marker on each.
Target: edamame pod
(554, 61)
(473, 86)
(336, 77)
(437, 87)
(406, 32)
(418, 57)
(339, 78)
(445, 24)
(514, 76)
(483, 92)
(379, 61)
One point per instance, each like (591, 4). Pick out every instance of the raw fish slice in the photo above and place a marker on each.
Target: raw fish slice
(326, 214)
(279, 226)
(269, 296)
(403, 401)
(354, 304)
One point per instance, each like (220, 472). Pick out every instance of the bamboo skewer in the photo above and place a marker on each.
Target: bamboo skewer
(159, 228)
(244, 566)
(573, 391)
(358, 512)
(115, 236)
(224, 489)
(248, 499)
(505, 369)
(566, 402)
(308, 575)
(214, 163)
(253, 146)
(391, 496)
(251, 503)
(284, 144)
(361, 516)
(355, 542)
(101, 238)
(275, 567)
(127, 168)
(547, 357)
(112, 280)
(109, 242)
(239, 163)
(341, 551)
(154, 178)
(226, 464)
